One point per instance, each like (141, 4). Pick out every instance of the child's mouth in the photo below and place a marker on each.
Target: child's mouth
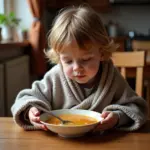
(80, 76)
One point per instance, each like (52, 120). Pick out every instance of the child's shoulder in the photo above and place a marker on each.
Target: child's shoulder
(54, 71)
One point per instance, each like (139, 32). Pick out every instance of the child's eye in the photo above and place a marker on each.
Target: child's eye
(68, 62)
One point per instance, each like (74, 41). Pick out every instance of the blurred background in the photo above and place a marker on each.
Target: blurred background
(24, 26)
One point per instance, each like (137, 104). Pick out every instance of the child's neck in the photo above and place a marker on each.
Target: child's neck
(90, 84)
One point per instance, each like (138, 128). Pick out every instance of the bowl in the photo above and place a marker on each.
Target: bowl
(70, 131)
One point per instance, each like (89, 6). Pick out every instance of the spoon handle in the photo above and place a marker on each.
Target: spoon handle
(43, 109)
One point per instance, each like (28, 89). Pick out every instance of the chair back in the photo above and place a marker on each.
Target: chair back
(141, 45)
(124, 60)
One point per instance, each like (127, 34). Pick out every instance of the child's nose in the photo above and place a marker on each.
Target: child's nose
(77, 66)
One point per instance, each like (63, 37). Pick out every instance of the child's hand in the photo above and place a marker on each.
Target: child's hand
(34, 117)
(110, 120)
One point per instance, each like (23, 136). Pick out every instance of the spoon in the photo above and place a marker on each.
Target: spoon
(49, 112)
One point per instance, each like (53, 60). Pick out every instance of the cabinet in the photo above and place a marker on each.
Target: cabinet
(98, 5)
(15, 77)
(97, 2)
(62, 3)
(2, 106)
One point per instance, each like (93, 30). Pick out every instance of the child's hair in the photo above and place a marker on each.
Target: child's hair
(83, 25)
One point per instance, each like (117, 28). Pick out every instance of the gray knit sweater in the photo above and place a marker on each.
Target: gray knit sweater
(56, 91)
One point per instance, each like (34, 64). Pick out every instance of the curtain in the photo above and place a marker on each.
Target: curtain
(37, 38)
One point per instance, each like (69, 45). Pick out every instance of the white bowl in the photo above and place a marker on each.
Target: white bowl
(71, 130)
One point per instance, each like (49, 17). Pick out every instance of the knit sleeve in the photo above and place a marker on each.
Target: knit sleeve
(40, 93)
(126, 101)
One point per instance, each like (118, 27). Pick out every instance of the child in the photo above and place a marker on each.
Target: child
(84, 77)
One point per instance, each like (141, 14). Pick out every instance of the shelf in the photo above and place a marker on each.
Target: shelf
(13, 44)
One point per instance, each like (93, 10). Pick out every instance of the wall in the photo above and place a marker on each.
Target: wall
(129, 17)
(135, 17)
(22, 11)
(1, 6)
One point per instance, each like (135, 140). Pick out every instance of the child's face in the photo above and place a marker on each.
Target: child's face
(80, 65)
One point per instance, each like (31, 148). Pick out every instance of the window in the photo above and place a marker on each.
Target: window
(1, 6)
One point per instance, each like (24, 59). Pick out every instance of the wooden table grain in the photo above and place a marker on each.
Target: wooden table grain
(12, 137)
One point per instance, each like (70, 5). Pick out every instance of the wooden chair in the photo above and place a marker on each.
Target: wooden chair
(124, 60)
(141, 45)
(144, 46)
(138, 45)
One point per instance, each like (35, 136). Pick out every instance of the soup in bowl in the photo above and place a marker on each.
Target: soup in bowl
(75, 120)
(82, 121)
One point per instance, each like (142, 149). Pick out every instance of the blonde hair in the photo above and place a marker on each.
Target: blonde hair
(83, 25)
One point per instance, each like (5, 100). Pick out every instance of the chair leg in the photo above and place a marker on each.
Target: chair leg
(148, 96)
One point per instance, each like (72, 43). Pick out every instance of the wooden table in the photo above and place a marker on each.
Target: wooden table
(12, 137)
